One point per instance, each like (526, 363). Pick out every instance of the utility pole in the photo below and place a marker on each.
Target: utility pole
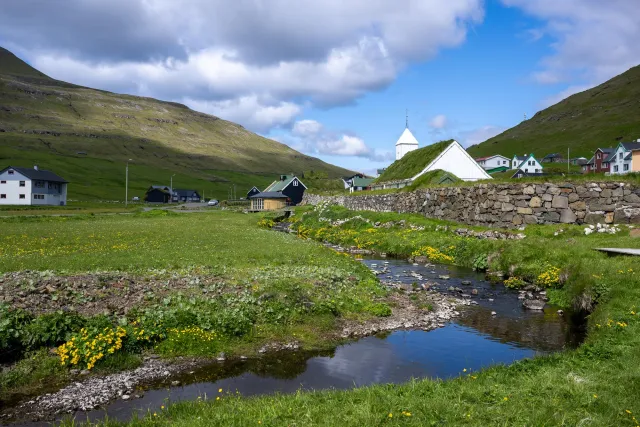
(568, 159)
(126, 185)
(172, 187)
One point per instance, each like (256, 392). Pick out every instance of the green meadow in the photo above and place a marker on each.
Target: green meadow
(596, 384)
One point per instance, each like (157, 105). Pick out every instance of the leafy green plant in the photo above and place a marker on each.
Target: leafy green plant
(379, 309)
(480, 262)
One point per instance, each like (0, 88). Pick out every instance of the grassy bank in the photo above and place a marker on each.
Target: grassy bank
(104, 287)
(597, 384)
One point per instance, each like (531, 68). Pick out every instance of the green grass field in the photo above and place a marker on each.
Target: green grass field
(596, 384)
(246, 286)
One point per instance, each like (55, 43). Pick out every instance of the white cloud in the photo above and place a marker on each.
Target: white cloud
(251, 111)
(438, 122)
(594, 40)
(476, 136)
(311, 137)
(229, 57)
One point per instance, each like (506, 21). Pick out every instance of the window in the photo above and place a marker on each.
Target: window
(295, 182)
(22, 184)
(3, 196)
(615, 168)
(620, 155)
(22, 196)
(598, 156)
(626, 167)
(38, 196)
(526, 170)
(3, 182)
(259, 204)
(504, 163)
(11, 172)
(39, 184)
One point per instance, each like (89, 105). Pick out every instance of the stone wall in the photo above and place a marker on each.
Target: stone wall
(507, 205)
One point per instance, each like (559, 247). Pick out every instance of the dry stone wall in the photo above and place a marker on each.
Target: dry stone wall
(507, 205)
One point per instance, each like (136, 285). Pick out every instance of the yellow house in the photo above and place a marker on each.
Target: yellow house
(269, 201)
(635, 160)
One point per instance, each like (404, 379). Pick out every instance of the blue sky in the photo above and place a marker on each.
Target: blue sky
(333, 78)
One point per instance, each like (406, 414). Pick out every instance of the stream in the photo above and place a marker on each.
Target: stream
(493, 328)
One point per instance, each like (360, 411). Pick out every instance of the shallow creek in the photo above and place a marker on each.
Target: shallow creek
(493, 328)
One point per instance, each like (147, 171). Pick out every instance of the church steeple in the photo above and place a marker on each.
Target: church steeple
(406, 121)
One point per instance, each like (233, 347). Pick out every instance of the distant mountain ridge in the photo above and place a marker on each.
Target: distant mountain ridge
(47, 120)
(598, 117)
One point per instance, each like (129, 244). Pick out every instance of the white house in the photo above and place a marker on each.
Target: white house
(493, 162)
(406, 143)
(455, 160)
(24, 186)
(622, 158)
(530, 165)
(517, 161)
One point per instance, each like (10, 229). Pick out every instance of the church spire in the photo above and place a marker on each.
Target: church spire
(406, 122)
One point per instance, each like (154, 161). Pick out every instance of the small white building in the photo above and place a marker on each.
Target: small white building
(406, 143)
(530, 165)
(517, 161)
(455, 160)
(24, 186)
(492, 162)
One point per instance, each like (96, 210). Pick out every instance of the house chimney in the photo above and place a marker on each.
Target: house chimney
(36, 167)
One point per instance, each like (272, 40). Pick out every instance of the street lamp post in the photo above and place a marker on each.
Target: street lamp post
(126, 185)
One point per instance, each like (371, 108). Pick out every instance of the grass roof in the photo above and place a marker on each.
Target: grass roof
(413, 162)
(432, 178)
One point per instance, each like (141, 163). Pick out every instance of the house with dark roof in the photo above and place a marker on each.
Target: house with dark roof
(186, 196)
(254, 190)
(621, 161)
(25, 186)
(553, 158)
(158, 194)
(286, 191)
(530, 165)
(599, 163)
(517, 161)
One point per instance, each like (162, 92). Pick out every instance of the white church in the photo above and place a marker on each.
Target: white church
(453, 159)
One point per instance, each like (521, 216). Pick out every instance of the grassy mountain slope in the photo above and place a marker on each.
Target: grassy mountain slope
(87, 135)
(598, 117)
(413, 162)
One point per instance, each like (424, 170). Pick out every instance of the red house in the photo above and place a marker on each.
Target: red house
(599, 163)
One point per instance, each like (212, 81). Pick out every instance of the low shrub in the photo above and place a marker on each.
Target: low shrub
(378, 309)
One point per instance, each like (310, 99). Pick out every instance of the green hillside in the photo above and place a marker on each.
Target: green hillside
(598, 117)
(87, 135)
(413, 162)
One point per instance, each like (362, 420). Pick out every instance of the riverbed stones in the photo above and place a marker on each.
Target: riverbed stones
(93, 392)
(533, 304)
